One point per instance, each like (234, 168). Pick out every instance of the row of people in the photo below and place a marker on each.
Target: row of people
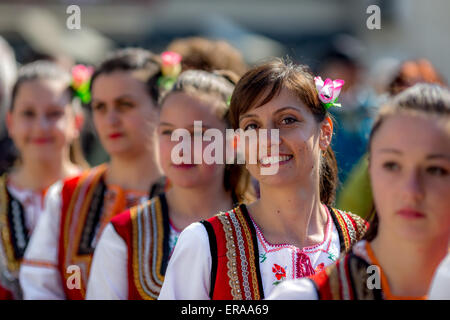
(290, 231)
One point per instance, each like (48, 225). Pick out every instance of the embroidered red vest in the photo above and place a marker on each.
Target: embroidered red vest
(77, 194)
(145, 229)
(235, 273)
(13, 242)
(81, 214)
(345, 280)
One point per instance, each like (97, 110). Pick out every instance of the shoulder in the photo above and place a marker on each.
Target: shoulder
(86, 176)
(297, 289)
(351, 227)
(194, 233)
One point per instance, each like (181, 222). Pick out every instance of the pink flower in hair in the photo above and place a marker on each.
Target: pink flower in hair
(81, 74)
(171, 64)
(329, 91)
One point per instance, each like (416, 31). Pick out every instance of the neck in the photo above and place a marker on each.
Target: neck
(188, 205)
(290, 215)
(40, 174)
(409, 266)
(133, 173)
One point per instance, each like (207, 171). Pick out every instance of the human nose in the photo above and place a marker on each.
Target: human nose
(43, 122)
(412, 189)
(112, 117)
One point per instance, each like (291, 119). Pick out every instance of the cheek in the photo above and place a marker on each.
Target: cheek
(165, 152)
(439, 201)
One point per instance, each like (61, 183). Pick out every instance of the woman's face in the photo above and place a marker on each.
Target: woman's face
(124, 114)
(179, 111)
(301, 140)
(410, 176)
(42, 123)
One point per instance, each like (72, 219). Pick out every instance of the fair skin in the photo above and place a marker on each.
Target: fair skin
(125, 119)
(197, 191)
(289, 209)
(410, 176)
(42, 125)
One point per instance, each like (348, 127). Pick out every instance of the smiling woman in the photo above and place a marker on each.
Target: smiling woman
(409, 166)
(291, 231)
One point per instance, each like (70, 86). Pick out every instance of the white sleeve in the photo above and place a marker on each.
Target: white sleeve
(39, 276)
(440, 286)
(189, 271)
(297, 289)
(108, 279)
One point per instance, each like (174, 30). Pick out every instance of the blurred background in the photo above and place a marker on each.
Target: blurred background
(331, 36)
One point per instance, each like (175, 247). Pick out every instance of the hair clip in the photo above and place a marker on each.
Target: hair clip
(329, 91)
(170, 69)
(81, 80)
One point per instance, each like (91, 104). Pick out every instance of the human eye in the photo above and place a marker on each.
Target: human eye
(391, 166)
(28, 113)
(288, 120)
(166, 132)
(124, 105)
(98, 107)
(250, 126)
(437, 171)
(54, 114)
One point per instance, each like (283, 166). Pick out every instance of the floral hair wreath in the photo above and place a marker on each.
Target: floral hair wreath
(170, 69)
(81, 80)
(329, 91)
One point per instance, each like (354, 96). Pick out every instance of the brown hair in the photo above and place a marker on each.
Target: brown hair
(209, 55)
(43, 69)
(271, 77)
(428, 100)
(216, 88)
(134, 59)
(411, 72)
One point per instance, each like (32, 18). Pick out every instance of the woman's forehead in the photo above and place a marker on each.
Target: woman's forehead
(413, 132)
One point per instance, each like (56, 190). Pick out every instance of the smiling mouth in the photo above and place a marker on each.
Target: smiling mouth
(183, 166)
(271, 160)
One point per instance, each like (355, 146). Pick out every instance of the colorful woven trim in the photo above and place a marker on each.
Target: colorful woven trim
(150, 244)
(243, 271)
(351, 228)
(345, 280)
(14, 239)
(73, 222)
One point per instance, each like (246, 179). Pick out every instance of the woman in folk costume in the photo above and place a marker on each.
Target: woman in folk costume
(291, 231)
(409, 166)
(124, 92)
(44, 125)
(132, 255)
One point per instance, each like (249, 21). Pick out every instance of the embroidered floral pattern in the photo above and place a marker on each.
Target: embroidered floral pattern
(319, 268)
(279, 273)
(331, 256)
(263, 257)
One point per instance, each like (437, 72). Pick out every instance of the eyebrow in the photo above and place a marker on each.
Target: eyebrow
(438, 156)
(390, 150)
(126, 96)
(428, 157)
(250, 115)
